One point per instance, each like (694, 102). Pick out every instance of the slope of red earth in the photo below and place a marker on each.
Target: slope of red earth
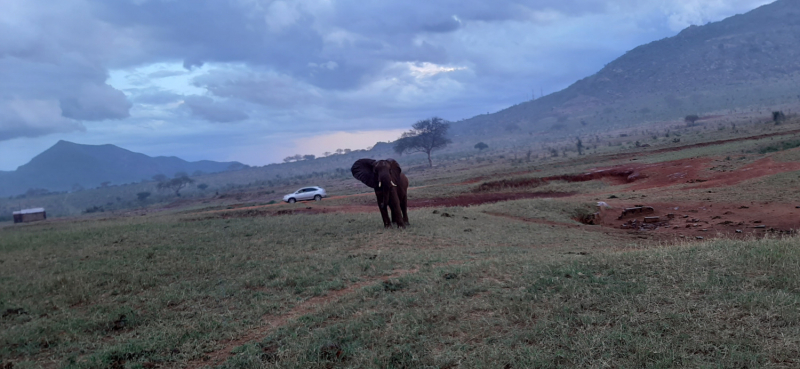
(760, 168)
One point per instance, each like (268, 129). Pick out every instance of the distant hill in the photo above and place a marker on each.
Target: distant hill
(745, 61)
(67, 166)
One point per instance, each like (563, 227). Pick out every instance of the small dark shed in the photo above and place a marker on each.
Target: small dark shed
(29, 215)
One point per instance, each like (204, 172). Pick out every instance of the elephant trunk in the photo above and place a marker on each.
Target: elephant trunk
(385, 185)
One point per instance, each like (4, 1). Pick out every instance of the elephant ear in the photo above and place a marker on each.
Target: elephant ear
(394, 168)
(363, 171)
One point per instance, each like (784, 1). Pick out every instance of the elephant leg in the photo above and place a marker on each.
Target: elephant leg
(387, 223)
(404, 208)
(396, 216)
(394, 206)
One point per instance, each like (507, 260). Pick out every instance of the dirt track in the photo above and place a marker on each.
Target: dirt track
(273, 322)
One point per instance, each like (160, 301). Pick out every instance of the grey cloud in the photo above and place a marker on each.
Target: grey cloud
(33, 118)
(166, 73)
(69, 89)
(266, 88)
(207, 109)
(54, 57)
(215, 31)
(447, 25)
(95, 102)
(155, 97)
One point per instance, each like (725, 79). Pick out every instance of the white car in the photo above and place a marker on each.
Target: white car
(306, 193)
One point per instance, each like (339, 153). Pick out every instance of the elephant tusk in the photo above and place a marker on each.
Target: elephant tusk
(392, 182)
(379, 185)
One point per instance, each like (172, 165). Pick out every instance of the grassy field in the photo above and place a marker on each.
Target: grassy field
(512, 284)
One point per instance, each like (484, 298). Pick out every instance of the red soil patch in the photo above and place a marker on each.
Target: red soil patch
(692, 220)
(663, 174)
(695, 170)
(760, 168)
(619, 156)
(671, 173)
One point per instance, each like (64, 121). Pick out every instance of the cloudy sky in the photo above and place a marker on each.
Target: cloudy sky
(258, 80)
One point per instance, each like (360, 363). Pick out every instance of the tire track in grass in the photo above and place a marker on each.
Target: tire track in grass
(271, 323)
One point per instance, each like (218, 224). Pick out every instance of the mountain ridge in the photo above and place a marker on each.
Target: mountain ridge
(67, 166)
(712, 67)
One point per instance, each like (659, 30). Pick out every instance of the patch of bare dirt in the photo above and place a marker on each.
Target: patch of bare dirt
(670, 173)
(703, 220)
(757, 169)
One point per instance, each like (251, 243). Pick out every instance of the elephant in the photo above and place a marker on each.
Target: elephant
(391, 188)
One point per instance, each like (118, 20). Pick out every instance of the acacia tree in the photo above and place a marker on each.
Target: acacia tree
(425, 136)
(481, 146)
(175, 184)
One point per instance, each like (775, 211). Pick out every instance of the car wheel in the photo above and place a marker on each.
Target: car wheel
(317, 198)
(292, 200)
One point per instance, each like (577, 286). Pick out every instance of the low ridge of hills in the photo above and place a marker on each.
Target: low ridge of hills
(745, 61)
(68, 166)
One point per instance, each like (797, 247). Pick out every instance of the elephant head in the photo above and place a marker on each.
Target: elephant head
(390, 184)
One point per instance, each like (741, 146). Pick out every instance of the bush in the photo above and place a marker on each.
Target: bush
(94, 209)
(778, 116)
(785, 145)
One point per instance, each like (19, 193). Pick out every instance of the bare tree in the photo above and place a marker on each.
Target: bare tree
(425, 136)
